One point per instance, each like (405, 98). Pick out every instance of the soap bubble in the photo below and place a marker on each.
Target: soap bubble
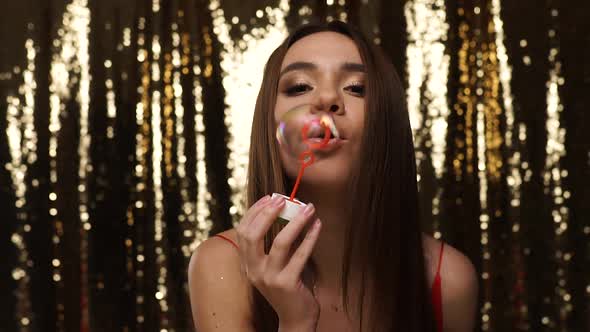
(301, 132)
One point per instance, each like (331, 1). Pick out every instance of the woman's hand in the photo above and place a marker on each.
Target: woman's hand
(277, 276)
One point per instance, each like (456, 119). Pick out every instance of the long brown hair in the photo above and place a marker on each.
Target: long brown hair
(386, 247)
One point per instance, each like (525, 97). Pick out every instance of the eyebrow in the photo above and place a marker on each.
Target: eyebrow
(302, 65)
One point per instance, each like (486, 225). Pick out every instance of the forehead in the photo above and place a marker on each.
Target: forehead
(323, 48)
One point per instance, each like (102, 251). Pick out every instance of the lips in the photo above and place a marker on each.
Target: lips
(318, 133)
(332, 144)
(321, 139)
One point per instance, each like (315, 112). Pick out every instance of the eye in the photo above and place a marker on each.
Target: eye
(357, 89)
(297, 89)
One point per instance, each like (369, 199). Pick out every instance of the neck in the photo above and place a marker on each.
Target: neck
(329, 248)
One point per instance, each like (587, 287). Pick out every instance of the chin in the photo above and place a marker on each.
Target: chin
(327, 173)
(330, 170)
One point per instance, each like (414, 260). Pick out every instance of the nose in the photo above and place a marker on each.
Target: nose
(328, 99)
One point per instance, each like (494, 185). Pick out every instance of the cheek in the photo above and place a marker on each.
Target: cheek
(290, 164)
(279, 110)
(356, 114)
(283, 104)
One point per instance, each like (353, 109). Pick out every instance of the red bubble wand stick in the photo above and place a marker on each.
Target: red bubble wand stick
(306, 157)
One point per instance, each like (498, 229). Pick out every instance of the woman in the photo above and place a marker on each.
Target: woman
(356, 260)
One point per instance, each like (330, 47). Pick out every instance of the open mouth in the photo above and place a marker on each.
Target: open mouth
(322, 134)
(317, 132)
(318, 141)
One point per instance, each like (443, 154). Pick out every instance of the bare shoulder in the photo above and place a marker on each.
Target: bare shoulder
(219, 291)
(455, 266)
(459, 283)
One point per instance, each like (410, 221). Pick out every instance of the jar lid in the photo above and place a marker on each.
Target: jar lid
(292, 207)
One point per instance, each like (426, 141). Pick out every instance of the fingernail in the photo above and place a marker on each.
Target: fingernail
(308, 209)
(265, 198)
(317, 224)
(278, 200)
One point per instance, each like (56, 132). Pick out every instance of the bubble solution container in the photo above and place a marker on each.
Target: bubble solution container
(291, 209)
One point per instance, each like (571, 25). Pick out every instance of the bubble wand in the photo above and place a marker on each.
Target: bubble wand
(305, 158)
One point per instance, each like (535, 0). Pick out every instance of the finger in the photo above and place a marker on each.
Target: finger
(265, 217)
(253, 236)
(283, 242)
(246, 219)
(255, 213)
(254, 209)
(250, 215)
(299, 259)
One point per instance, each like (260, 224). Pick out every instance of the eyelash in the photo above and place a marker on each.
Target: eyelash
(296, 89)
(299, 88)
(357, 85)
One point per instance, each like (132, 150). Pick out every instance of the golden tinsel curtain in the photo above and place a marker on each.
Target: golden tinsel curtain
(125, 127)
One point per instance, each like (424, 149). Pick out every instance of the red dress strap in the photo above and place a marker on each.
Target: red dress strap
(228, 240)
(437, 293)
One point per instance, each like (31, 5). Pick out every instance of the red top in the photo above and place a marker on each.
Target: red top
(436, 286)
(437, 293)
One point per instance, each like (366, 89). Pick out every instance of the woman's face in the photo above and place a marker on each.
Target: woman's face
(324, 71)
